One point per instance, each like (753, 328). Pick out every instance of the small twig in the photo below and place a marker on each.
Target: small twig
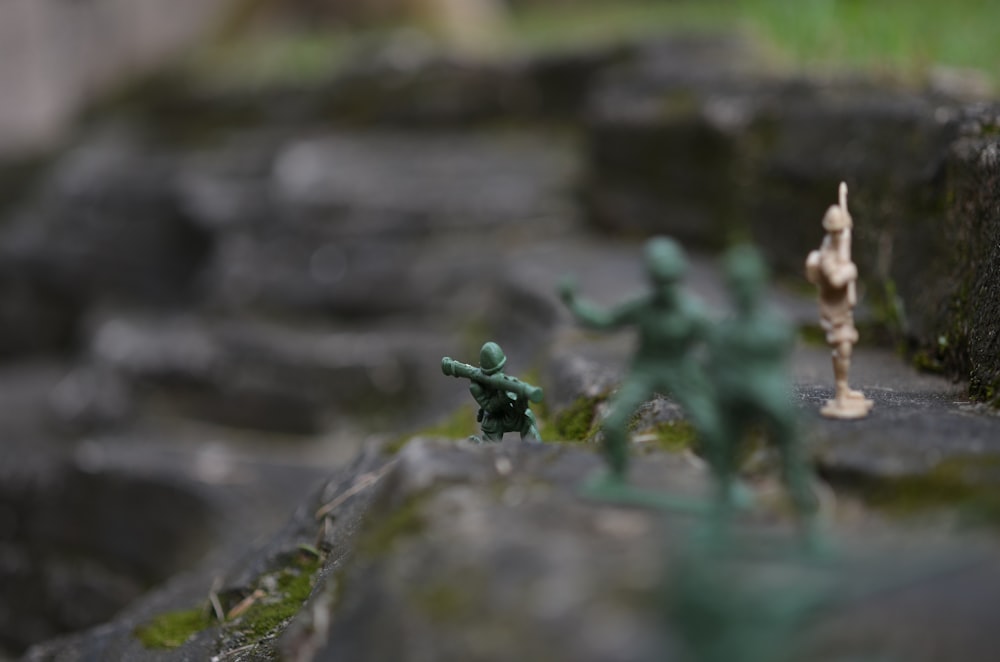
(363, 482)
(245, 604)
(323, 533)
(213, 597)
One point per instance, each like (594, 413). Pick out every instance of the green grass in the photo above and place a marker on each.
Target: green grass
(268, 59)
(899, 36)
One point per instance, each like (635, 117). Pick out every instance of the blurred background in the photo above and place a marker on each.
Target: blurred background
(59, 56)
(237, 236)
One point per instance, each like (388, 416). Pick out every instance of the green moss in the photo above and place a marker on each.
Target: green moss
(951, 351)
(968, 483)
(926, 361)
(458, 425)
(294, 585)
(888, 314)
(285, 592)
(674, 436)
(541, 410)
(173, 628)
(577, 422)
(381, 534)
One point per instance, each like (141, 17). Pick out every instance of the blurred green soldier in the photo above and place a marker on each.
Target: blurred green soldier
(503, 400)
(725, 609)
(671, 325)
(748, 368)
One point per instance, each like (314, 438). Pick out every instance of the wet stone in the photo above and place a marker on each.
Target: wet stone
(376, 223)
(964, 337)
(427, 183)
(76, 546)
(227, 187)
(313, 273)
(105, 225)
(245, 373)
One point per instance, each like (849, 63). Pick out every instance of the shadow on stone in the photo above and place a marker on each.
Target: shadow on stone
(76, 547)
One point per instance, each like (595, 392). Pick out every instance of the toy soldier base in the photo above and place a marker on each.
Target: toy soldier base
(847, 408)
(831, 269)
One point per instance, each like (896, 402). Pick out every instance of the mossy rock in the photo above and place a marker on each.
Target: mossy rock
(578, 421)
(173, 629)
(264, 608)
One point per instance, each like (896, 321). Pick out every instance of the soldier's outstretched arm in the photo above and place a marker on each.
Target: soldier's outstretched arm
(590, 315)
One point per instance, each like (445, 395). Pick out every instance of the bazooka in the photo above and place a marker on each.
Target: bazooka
(503, 400)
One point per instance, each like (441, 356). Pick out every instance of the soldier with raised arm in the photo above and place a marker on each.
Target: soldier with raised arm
(832, 270)
(671, 325)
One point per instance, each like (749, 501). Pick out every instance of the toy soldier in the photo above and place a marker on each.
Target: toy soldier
(832, 270)
(503, 400)
(747, 363)
(670, 325)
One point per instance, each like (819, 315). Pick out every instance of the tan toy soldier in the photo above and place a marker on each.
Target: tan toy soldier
(832, 270)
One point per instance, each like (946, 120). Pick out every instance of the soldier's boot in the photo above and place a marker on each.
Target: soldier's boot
(529, 429)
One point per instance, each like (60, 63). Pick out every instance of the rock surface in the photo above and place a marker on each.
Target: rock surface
(967, 322)
(487, 552)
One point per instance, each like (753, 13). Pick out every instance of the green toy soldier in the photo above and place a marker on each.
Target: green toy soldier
(724, 610)
(670, 326)
(503, 400)
(748, 355)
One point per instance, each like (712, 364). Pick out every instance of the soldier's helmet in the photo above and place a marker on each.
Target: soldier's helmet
(836, 219)
(664, 260)
(491, 358)
(746, 277)
(745, 268)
